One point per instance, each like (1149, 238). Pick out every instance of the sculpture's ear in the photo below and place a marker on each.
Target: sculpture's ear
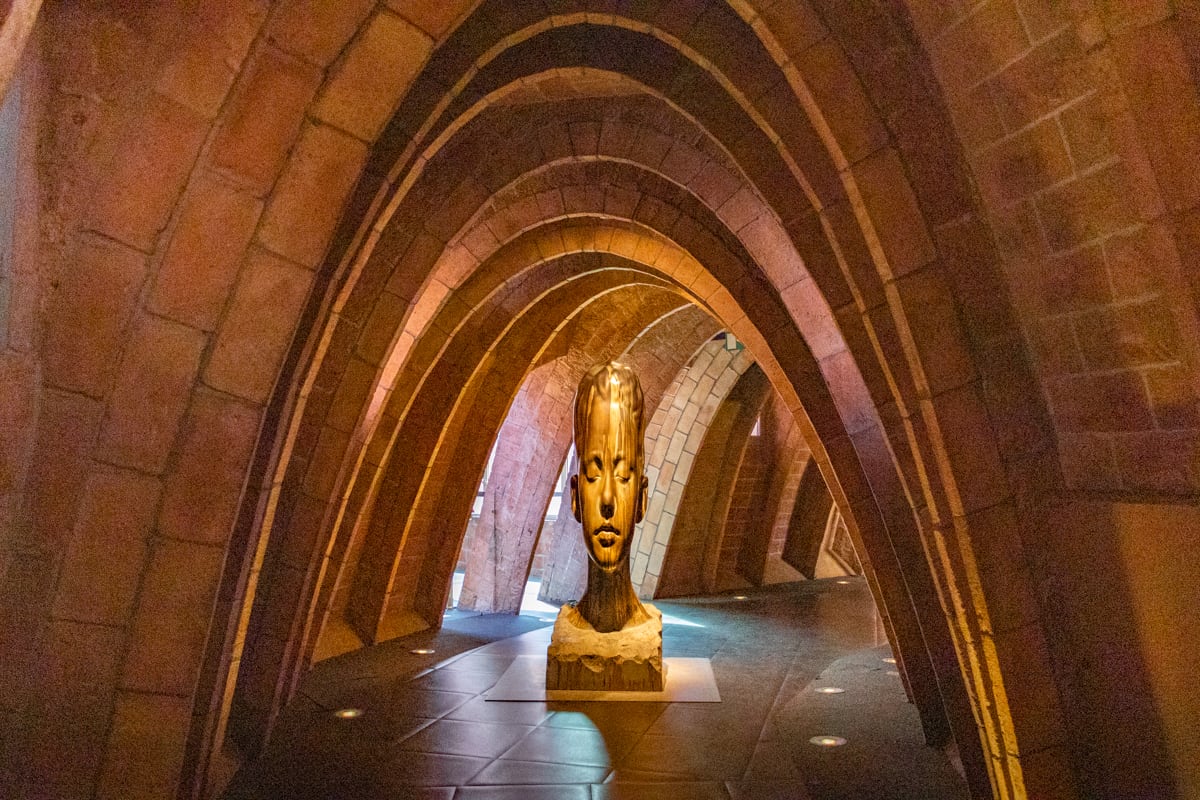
(575, 498)
(639, 510)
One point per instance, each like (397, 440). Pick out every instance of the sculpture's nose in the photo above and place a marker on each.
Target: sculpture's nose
(607, 502)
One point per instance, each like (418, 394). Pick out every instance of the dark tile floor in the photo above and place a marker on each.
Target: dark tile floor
(426, 731)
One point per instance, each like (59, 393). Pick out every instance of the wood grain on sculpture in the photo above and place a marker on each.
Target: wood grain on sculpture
(608, 640)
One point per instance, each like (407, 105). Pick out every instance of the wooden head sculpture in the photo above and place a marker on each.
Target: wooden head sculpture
(608, 494)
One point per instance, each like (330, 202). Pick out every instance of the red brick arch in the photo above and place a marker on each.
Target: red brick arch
(721, 300)
(860, 133)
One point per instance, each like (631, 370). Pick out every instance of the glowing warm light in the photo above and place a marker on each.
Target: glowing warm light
(422, 651)
(829, 690)
(348, 713)
(827, 741)
(739, 597)
(888, 660)
(844, 583)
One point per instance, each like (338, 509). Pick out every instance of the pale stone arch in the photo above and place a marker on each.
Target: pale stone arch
(674, 435)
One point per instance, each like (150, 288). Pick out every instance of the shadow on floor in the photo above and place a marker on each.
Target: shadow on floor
(420, 726)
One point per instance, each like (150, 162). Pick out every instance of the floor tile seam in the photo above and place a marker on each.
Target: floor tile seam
(772, 723)
(563, 761)
(607, 771)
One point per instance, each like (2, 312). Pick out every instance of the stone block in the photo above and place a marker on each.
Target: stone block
(79, 686)
(309, 197)
(629, 660)
(923, 301)
(258, 326)
(891, 204)
(89, 310)
(851, 117)
(970, 459)
(104, 560)
(264, 117)
(201, 73)
(202, 494)
(145, 747)
(1023, 164)
(67, 426)
(175, 605)
(19, 389)
(145, 171)
(317, 30)
(373, 75)
(205, 252)
(151, 394)
(959, 53)
(1082, 210)
(1048, 77)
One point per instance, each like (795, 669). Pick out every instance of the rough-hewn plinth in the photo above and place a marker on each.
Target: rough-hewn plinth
(581, 658)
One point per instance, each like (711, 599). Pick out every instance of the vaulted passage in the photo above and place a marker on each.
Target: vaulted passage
(294, 297)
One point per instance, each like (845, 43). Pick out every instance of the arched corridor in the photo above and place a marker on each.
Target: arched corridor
(911, 286)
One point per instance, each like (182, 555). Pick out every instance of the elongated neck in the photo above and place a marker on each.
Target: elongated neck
(609, 603)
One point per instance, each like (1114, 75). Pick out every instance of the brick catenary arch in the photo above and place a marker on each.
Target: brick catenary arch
(157, 307)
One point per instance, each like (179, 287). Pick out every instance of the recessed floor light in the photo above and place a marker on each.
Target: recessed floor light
(888, 660)
(739, 597)
(844, 583)
(422, 651)
(827, 741)
(829, 690)
(893, 672)
(348, 713)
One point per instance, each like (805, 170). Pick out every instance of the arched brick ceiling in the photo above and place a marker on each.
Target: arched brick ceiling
(739, 290)
(376, 175)
(484, 345)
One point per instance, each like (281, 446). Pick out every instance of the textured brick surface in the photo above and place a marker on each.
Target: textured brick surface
(92, 305)
(151, 394)
(264, 117)
(258, 326)
(201, 497)
(373, 75)
(103, 562)
(169, 626)
(145, 746)
(998, 272)
(151, 161)
(308, 200)
(200, 264)
(79, 689)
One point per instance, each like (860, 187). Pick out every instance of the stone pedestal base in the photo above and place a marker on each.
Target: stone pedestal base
(628, 660)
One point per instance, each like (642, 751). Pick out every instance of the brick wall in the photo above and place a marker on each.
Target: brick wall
(673, 437)
(958, 239)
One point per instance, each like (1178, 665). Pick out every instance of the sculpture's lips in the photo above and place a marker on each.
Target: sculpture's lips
(607, 536)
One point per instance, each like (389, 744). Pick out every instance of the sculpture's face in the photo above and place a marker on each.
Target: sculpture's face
(609, 494)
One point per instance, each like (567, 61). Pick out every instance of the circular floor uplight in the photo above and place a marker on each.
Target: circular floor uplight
(348, 713)
(843, 583)
(739, 597)
(423, 651)
(827, 741)
(888, 660)
(829, 690)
